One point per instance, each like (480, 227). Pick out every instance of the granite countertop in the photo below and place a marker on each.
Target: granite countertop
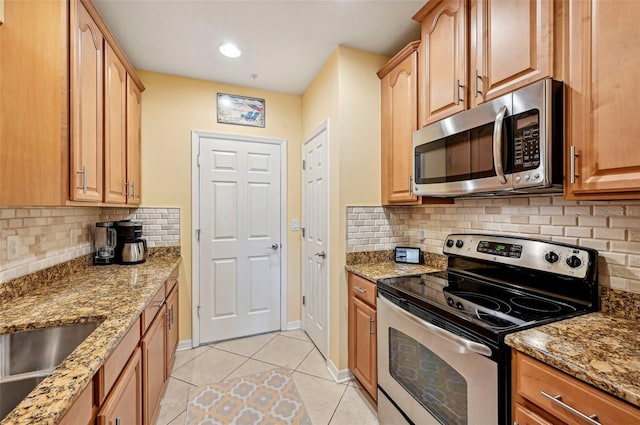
(598, 348)
(375, 271)
(114, 295)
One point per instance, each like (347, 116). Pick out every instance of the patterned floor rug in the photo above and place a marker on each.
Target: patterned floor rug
(268, 398)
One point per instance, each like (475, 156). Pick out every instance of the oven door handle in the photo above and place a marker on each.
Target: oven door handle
(497, 145)
(462, 343)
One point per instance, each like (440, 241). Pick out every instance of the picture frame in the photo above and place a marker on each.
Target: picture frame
(241, 110)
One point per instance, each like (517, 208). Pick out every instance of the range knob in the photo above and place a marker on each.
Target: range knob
(551, 257)
(459, 243)
(459, 306)
(574, 262)
(449, 243)
(450, 301)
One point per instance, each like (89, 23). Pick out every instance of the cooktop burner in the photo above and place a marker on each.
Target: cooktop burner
(536, 304)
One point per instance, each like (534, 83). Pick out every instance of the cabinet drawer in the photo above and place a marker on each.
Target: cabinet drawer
(524, 416)
(363, 289)
(111, 369)
(152, 309)
(171, 282)
(535, 378)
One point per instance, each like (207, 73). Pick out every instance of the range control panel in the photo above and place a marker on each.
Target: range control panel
(534, 254)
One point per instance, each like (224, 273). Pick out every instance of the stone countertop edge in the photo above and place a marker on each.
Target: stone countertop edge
(381, 270)
(598, 348)
(114, 295)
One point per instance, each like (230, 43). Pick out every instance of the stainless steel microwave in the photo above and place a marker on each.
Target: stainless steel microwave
(509, 145)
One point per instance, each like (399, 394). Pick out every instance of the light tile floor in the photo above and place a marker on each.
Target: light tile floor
(326, 401)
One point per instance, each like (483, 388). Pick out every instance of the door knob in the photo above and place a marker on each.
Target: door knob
(321, 254)
(274, 246)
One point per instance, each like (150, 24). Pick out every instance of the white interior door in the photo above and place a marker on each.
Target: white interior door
(315, 285)
(240, 260)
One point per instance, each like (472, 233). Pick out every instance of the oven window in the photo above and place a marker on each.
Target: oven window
(428, 378)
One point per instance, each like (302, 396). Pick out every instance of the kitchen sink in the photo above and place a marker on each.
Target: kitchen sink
(27, 357)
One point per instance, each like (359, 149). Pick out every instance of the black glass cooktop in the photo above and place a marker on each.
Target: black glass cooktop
(488, 308)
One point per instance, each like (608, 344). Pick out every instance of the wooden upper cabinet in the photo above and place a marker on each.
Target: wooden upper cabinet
(34, 96)
(134, 174)
(511, 46)
(115, 131)
(443, 65)
(87, 44)
(604, 56)
(399, 103)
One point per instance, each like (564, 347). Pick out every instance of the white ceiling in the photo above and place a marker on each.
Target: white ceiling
(284, 42)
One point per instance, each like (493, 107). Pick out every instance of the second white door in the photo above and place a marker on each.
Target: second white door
(240, 205)
(315, 285)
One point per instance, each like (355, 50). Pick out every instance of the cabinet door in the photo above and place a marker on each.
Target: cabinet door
(399, 120)
(443, 63)
(154, 366)
(86, 106)
(115, 108)
(511, 46)
(124, 404)
(363, 346)
(604, 57)
(172, 328)
(134, 102)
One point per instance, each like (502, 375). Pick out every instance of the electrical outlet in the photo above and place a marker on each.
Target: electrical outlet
(13, 247)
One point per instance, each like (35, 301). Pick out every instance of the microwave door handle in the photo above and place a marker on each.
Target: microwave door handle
(497, 145)
(462, 343)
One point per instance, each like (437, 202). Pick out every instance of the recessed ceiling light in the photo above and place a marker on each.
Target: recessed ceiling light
(229, 50)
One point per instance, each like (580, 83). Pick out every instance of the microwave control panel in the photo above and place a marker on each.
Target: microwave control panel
(526, 141)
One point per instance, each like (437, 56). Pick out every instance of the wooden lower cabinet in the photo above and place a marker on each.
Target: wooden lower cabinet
(124, 404)
(83, 410)
(363, 347)
(153, 346)
(543, 395)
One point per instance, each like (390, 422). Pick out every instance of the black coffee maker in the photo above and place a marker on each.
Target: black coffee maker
(130, 246)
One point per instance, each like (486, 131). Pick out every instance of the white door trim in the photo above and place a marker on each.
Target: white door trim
(195, 223)
(322, 127)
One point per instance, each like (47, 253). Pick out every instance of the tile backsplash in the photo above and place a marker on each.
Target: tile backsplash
(611, 227)
(49, 236)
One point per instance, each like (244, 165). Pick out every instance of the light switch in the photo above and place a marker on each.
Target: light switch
(295, 224)
(1, 12)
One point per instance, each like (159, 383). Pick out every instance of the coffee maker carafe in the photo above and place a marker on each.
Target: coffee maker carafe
(130, 247)
(104, 239)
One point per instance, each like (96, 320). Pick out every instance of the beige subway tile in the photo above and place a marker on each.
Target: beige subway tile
(599, 245)
(633, 286)
(578, 232)
(634, 260)
(551, 230)
(559, 200)
(555, 210)
(15, 223)
(630, 247)
(540, 200)
(625, 222)
(609, 234)
(608, 210)
(564, 220)
(633, 210)
(614, 258)
(7, 213)
(561, 239)
(592, 221)
(624, 271)
(539, 219)
(493, 210)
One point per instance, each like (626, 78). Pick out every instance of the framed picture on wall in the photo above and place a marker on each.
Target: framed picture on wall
(241, 110)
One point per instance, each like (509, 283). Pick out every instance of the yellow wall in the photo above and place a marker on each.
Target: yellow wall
(347, 92)
(174, 106)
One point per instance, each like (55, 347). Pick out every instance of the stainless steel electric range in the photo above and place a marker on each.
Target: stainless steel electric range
(441, 352)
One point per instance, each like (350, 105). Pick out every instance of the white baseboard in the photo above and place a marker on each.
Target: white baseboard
(296, 324)
(340, 376)
(185, 344)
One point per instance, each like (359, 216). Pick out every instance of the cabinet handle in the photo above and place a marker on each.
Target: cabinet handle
(133, 190)
(592, 419)
(160, 303)
(410, 185)
(370, 322)
(477, 78)
(572, 165)
(118, 420)
(359, 289)
(84, 179)
(460, 99)
(171, 315)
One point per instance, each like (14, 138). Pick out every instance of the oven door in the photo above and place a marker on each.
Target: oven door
(433, 376)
